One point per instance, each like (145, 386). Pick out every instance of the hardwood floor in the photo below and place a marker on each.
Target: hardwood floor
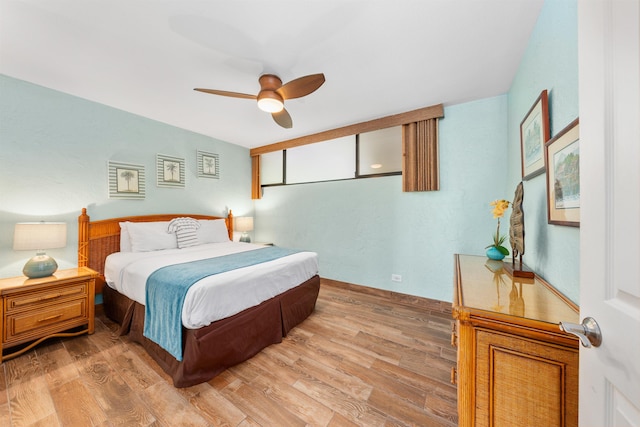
(371, 358)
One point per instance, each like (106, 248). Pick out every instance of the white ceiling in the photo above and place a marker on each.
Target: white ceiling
(379, 57)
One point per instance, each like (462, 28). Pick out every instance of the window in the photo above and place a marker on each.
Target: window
(380, 152)
(323, 161)
(375, 153)
(272, 168)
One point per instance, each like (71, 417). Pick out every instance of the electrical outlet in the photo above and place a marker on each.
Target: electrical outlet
(396, 278)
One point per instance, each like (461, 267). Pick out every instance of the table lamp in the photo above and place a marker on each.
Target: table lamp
(244, 224)
(39, 236)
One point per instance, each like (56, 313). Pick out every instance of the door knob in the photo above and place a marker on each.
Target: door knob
(588, 331)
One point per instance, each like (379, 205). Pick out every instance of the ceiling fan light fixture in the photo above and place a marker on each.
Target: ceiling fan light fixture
(270, 102)
(273, 93)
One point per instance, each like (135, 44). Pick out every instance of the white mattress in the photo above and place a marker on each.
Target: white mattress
(215, 297)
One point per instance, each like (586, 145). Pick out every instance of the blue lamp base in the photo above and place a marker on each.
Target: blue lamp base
(41, 265)
(245, 238)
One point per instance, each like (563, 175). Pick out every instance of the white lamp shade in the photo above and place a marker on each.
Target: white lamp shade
(39, 235)
(244, 223)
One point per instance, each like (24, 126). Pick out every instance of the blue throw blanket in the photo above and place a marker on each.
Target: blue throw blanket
(167, 288)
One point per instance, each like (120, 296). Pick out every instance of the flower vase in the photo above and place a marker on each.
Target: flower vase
(494, 253)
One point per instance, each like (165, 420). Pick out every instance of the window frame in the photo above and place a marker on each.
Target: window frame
(357, 175)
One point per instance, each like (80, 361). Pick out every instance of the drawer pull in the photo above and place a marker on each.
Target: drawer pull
(55, 316)
(32, 300)
(454, 336)
(28, 301)
(454, 374)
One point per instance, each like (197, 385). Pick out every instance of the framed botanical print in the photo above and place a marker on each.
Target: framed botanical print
(126, 180)
(208, 165)
(534, 133)
(562, 155)
(170, 171)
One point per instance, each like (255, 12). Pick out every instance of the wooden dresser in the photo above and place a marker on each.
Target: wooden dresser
(33, 310)
(515, 367)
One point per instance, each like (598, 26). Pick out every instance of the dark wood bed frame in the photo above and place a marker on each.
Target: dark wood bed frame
(209, 350)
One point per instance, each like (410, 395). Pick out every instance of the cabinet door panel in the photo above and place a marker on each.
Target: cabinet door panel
(524, 382)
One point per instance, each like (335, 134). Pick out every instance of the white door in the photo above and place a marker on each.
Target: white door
(609, 63)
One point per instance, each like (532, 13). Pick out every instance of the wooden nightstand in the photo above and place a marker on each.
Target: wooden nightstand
(33, 310)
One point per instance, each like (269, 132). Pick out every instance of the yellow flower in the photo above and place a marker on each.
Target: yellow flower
(499, 206)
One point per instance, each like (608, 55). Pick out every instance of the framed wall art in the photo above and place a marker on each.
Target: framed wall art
(208, 165)
(562, 154)
(126, 180)
(170, 171)
(534, 133)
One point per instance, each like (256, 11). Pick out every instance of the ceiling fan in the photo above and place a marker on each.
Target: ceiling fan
(273, 94)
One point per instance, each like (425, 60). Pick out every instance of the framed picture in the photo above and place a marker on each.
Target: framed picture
(562, 154)
(126, 181)
(170, 171)
(534, 133)
(208, 165)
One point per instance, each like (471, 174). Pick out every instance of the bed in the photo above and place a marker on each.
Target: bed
(208, 347)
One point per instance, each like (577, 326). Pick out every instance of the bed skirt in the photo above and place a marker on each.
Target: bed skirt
(210, 350)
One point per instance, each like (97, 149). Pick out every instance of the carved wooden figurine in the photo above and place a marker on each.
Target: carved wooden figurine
(516, 236)
(516, 230)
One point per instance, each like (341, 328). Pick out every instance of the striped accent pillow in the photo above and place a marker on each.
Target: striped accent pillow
(185, 229)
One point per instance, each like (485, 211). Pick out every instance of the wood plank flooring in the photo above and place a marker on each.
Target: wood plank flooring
(365, 357)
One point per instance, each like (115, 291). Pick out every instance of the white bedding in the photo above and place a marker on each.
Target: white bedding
(214, 297)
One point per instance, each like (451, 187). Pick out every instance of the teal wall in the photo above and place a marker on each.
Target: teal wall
(366, 230)
(54, 150)
(550, 62)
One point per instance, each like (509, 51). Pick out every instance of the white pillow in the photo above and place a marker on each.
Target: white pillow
(212, 231)
(150, 236)
(125, 239)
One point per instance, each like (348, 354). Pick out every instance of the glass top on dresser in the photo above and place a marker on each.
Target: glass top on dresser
(485, 285)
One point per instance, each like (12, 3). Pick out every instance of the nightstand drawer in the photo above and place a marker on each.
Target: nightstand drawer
(45, 297)
(25, 325)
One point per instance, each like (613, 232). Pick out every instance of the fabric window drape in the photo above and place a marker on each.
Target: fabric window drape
(256, 190)
(420, 168)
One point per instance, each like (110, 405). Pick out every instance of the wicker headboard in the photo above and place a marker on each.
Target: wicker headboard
(98, 239)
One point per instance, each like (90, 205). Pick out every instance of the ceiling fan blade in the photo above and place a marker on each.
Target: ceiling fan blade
(301, 86)
(225, 93)
(283, 119)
